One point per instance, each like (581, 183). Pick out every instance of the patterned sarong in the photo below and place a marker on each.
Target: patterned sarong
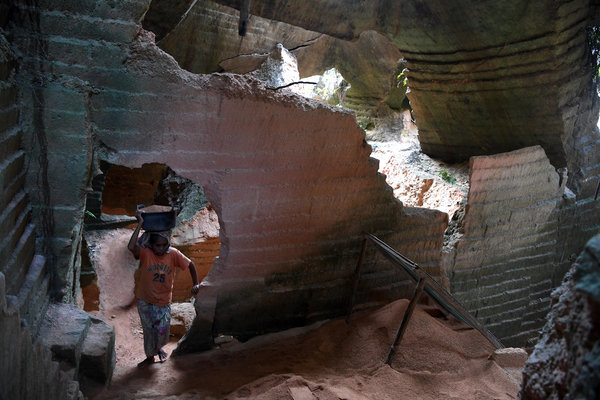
(155, 324)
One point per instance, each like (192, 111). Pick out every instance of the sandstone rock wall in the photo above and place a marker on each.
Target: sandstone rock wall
(206, 40)
(503, 263)
(478, 85)
(16, 211)
(198, 238)
(57, 44)
(497, 92)
(124, 189)
(486, 78)
(565, 362)
(290, 179)
(27, 369)
(203, 255)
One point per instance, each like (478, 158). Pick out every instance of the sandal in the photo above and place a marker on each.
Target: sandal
(162, 355)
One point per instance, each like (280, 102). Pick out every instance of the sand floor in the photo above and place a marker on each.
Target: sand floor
(438, 358)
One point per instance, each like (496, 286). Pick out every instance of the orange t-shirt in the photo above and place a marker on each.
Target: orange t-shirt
(155, 284)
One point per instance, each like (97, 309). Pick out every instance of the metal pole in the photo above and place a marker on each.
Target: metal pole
(244, 16)
(434, 289)
(356, 278)
(406, 318)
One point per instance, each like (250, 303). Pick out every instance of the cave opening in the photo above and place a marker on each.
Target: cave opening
(330, 87)
(109, 220)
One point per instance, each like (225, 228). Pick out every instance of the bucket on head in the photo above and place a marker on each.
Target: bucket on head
(158, 218)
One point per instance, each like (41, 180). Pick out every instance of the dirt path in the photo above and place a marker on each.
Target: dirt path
(438, 358)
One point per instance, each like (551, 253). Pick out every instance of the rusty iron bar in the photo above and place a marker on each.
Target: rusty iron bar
(406, 318)
(432, 288)
(435, 290)
(356, 279)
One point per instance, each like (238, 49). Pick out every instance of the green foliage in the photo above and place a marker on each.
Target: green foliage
(593, 35)
(91, 214)
(401, 79)
(366, 124)
(447, 177)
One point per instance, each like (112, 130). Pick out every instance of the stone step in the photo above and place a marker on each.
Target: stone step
(98, 356)
(63, 331)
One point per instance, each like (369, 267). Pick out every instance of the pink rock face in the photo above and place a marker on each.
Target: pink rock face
(501, 248)
(290, 179)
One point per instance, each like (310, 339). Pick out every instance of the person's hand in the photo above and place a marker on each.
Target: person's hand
(139, 215)
(195, 289)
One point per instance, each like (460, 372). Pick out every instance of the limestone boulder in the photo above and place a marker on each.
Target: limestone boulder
(280, 68)
(182, 315)
(98, 356)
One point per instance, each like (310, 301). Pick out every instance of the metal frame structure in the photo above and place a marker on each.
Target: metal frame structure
(425, 282)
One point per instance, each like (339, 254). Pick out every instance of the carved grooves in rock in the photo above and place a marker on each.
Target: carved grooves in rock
(509, 193)
(483, 70)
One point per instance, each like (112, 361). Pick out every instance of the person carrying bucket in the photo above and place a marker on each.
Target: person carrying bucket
(154, 285)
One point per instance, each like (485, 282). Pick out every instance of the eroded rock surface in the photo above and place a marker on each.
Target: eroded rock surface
(274, 166)
(511, 208)
(477, 84)
(291, 179)
(206, 40)
(182, 315)
(565, 363)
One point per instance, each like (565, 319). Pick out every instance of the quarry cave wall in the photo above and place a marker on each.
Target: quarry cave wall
(480, 87)
(24, 278)
(477, 85)
(510, 256)
(291, 179)
(291, 216)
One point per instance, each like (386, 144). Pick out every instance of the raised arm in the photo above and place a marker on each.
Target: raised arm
(133, 245)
